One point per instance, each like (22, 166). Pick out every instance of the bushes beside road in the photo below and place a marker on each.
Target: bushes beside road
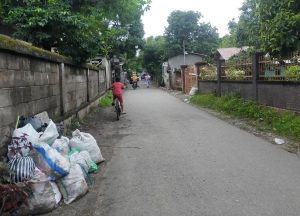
(283, 123)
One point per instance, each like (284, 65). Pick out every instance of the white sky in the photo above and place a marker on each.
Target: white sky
(217, 12)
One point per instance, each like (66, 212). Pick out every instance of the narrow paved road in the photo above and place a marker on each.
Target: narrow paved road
(169, 158)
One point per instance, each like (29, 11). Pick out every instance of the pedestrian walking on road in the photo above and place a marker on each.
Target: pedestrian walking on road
(147, 80)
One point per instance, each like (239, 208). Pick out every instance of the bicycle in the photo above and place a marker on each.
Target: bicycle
(117, 108)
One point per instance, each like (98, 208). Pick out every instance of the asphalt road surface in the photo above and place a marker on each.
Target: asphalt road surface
(168, 158)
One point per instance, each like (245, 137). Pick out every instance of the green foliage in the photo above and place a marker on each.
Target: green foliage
(154, 53)
(272, 26)
(227, 41)
(208, 72)
(279, 25)
(106, 100)
(247, 28)
(80, 29)
(293, 73)
(185, 30)
(75, 124)
(230, 39)
(233, 74)
(282, 123)
(134, 64)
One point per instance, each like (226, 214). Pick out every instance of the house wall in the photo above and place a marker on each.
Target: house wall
(30, 84)
(176, 80)
(190, 78)
(166, 75)
(190, 59)
(175, 64)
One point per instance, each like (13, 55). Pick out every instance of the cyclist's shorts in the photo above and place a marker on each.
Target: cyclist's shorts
(119, 97)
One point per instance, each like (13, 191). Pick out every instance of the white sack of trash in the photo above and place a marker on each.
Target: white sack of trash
(73, 186)
(86, 142)
(50, 161)
(44, 198)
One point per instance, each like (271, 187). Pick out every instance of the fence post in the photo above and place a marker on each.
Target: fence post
(183, 67)
(197, 76)
(219, 74)
(98, 78)
(61, 87)
(198, 65)
(255, 74)
(88, 85)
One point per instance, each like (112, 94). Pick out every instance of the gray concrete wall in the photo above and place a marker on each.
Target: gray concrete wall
(279, 94)
(207, 86)
(243, 89)
(30, 85)
(284, 95)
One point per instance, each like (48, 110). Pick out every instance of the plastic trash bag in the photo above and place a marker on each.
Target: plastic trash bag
(62, 145)
(56, 191)
(83, 159)
(60, 128)
(50, 161)
(21, 169)
(35, 122)
(279, 141)
(22, 141)
(193, 91)
(85, 141)
(44, 198)
(73, 186)
(50, 134)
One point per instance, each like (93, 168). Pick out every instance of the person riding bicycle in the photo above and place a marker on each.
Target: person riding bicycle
(117, 87)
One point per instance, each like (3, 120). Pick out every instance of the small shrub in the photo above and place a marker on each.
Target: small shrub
(75, 124)
(106, 100)
(233, 74)
(282, 123)
(293, 73)
(208, 72)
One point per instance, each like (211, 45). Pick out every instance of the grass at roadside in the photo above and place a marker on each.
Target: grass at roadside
(282, 123)
(106, 100)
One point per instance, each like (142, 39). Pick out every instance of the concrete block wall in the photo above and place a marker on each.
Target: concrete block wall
(94, 82)
(243, 89)
(30, 84)
(279, 94)
(207, 86)
(75, 87)
(284, 95)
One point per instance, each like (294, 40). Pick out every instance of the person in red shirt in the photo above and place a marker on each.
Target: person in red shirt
(117, 88)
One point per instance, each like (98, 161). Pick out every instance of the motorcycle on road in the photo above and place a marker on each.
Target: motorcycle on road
(134, 84)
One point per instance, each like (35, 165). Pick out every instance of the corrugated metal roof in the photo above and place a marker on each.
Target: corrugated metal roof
(226, 53)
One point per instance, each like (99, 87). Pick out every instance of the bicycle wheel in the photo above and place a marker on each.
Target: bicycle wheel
(118, 109)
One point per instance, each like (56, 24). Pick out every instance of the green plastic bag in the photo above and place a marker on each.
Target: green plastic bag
(93, 167)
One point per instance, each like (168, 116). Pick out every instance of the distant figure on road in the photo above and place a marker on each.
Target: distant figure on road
(135, 80)
(147, 80)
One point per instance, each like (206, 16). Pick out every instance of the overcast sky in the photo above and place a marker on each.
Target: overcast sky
(217, 12)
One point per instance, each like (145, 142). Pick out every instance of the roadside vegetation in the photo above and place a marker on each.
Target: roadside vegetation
(106, 100)
(267, 119)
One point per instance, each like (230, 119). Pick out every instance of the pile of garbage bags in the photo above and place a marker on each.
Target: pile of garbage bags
(55, 167)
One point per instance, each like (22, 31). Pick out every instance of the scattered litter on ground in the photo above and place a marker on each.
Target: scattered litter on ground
(193, 91)
(279, 141)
